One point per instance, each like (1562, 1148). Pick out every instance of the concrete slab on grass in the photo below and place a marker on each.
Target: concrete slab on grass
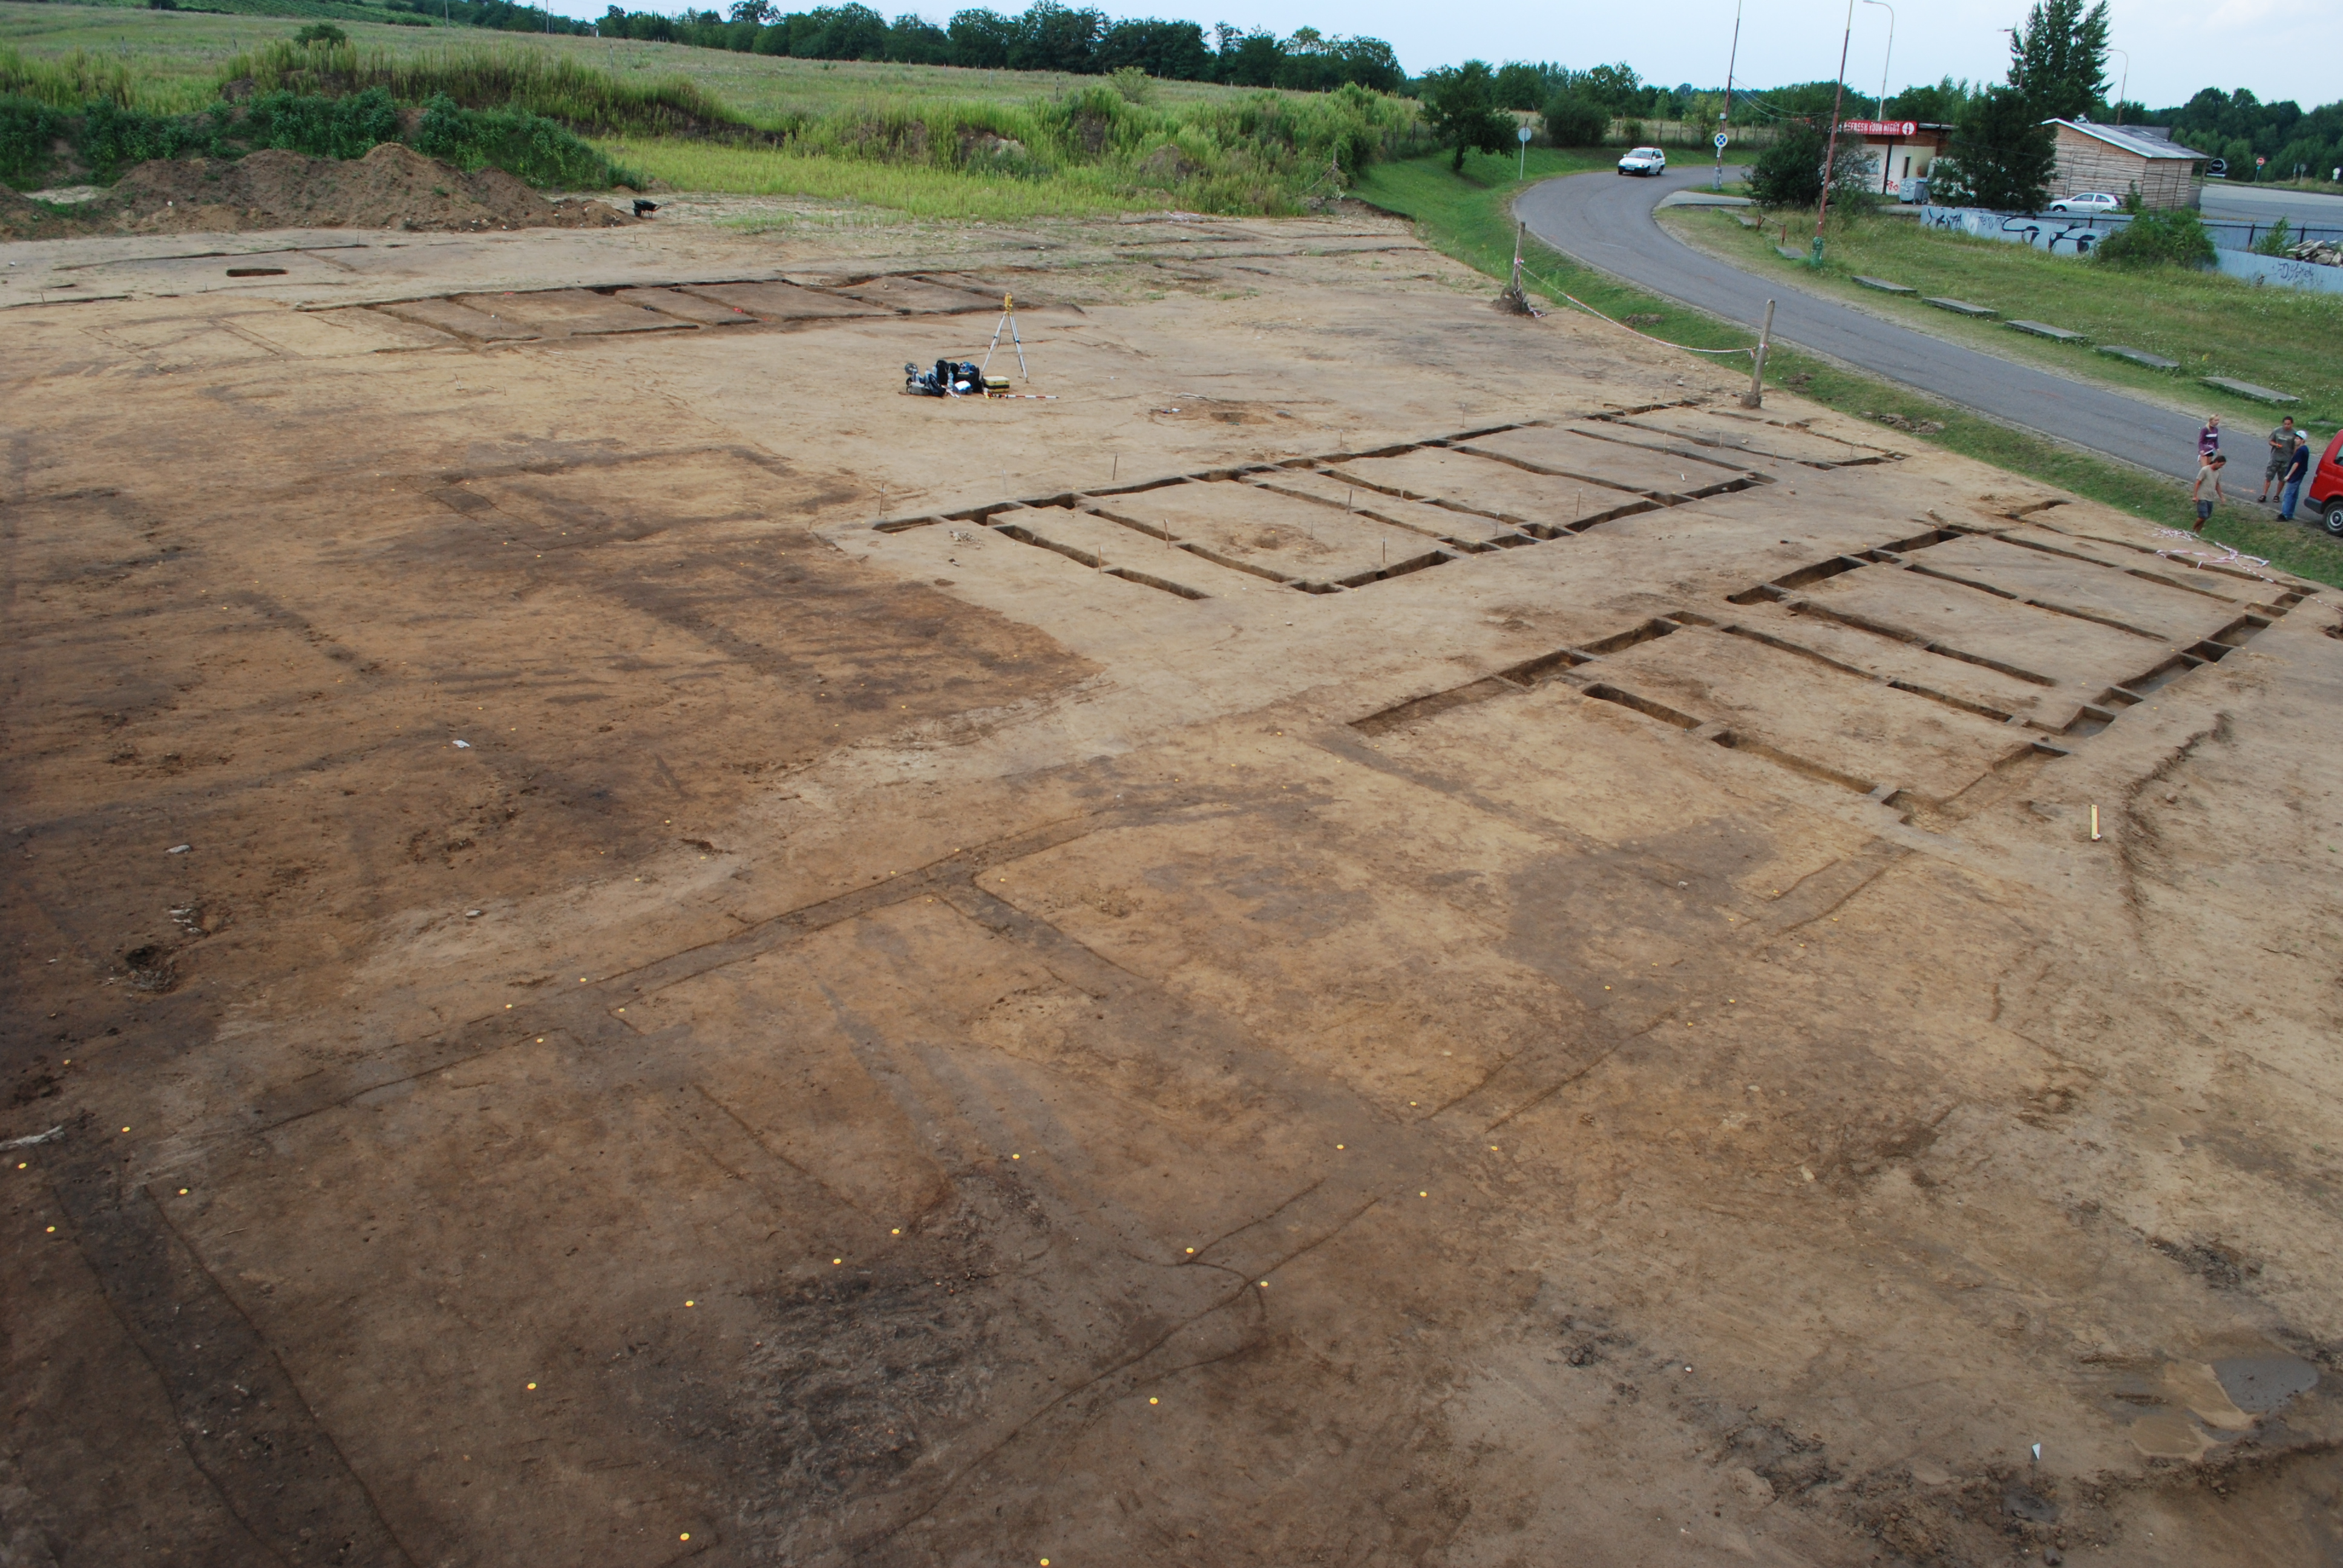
(2248, 389)
(2044, 329)
(1788, 254)
(1958, 307)
(2140, 357)
(1884, 286)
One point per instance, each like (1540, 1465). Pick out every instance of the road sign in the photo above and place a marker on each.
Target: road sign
(1522, 135)
(1721, 139)
(1881, 127)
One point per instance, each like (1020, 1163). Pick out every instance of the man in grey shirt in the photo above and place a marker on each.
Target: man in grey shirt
(2281, 452)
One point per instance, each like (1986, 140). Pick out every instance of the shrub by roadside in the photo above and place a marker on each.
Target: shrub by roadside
(2174, 236)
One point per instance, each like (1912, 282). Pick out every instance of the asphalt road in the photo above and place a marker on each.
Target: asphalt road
(2268, 204)
(1605, 221)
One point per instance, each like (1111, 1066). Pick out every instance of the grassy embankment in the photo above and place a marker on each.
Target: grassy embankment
(1469, 219)
(178, 54)
(930, 140)
(2215, 326)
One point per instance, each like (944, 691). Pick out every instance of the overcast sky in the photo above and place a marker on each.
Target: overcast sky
(2278, 48)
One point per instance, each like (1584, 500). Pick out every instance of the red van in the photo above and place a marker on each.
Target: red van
(2324, 493)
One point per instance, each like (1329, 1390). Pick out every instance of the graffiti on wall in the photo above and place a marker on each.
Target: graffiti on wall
(2056, 233)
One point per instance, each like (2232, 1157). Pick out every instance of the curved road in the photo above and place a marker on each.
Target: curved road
(1605, 221)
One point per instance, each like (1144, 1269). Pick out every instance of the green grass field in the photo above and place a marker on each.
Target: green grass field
(2215, 326)
(1470, 219)
(178, 55)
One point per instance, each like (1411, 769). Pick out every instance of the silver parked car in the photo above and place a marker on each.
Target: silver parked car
(1644, 161)
(2089, 201)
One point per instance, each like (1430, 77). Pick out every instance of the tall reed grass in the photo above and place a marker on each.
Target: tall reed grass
(587, 99)
(67, 83)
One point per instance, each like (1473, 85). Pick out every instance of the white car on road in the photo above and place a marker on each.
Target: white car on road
(1644, 161)
(2089, 201)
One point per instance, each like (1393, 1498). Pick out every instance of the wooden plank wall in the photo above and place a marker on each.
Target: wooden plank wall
(2088, 163)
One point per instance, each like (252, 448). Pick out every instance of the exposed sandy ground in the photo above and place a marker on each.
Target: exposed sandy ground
(1533, 985)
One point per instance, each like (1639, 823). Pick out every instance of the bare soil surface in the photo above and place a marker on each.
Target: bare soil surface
(393, 187)
(1358, 930)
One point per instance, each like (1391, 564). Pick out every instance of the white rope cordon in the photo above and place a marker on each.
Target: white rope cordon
(2208, 552)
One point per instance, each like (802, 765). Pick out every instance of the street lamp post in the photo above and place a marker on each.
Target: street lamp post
(1830, 148)
(1885, 58)
(1725, 113)
(1886, 158)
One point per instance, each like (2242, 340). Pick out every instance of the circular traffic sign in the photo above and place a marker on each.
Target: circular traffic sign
(1523, 134)
(1721, 139)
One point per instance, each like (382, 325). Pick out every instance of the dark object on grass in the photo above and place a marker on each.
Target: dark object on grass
(645, 209)
(256, 272)
(948, 379)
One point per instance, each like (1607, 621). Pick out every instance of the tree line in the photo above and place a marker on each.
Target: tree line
(1047, 37)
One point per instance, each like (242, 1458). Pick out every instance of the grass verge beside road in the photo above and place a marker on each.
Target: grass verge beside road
(1470, 218)
(2282, 338)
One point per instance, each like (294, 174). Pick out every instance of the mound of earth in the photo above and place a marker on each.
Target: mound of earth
(393, 187)
(23, 218)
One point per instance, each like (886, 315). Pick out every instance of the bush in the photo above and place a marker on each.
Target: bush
(1631, 132)
(1790, 172)
(1135, 84)
(27, 131)
(535, 149)
(320, 126)
(2173, 237)
(1572, 122)
(112, 138)
(321, 33)
(2278, 242)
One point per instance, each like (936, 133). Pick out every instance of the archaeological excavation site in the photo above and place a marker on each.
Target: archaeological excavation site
(1343, 928)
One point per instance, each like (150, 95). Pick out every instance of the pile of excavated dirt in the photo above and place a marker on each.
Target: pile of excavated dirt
(21, 218)
(393, 187)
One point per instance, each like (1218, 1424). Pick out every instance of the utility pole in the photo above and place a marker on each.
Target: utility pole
(2126, 81)
(1725, 114)
(1830, 148)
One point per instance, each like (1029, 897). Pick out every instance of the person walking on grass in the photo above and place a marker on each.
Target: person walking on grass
(2208, 472)
(2281, 452)
(2298, 469)
(2209, 439)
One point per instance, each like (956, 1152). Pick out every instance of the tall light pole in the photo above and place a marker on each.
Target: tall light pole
(2127, 82)
(1725, 114)
(1830, 148)
(1884, 59)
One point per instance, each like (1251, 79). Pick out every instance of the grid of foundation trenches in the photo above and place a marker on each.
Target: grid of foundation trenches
(493, 318)
(2092, 716)
(1582, 665)
(1481, 529)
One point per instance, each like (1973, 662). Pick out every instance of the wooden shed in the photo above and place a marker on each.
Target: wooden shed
(2119, 159)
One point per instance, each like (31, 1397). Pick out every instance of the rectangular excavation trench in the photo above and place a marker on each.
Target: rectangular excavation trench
(1292, 501)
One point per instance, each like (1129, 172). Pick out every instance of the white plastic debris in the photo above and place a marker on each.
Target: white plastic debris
(463, 746)
(178, 848)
